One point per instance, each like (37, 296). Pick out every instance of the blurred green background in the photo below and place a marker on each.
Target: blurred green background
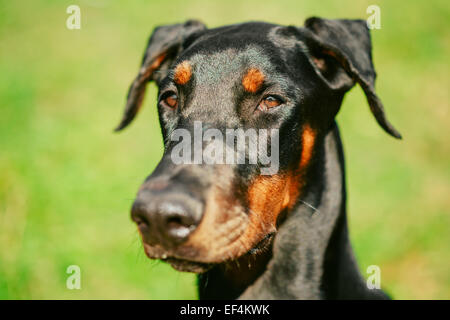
(67, 182)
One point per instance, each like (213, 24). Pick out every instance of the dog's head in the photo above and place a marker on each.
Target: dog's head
(272, 89)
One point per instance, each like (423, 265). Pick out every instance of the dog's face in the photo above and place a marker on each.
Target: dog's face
(284, 83)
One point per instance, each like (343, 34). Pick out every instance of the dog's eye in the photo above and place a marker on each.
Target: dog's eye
(170, 100)
(269, 102)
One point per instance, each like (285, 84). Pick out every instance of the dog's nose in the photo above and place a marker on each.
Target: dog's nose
(166, 218)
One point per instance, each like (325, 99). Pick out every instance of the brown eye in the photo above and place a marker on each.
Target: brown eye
(171, 100)
(269, 102)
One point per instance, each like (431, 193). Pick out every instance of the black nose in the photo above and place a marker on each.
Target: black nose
(166, 218)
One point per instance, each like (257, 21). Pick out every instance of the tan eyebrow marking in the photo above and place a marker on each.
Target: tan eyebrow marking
(253, 80)
(183, 73)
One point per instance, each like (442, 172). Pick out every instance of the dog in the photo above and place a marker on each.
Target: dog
(247, 234)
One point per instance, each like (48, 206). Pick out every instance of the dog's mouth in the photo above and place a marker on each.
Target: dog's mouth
(186, 265)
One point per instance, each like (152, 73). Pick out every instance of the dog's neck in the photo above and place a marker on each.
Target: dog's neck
(311, 256)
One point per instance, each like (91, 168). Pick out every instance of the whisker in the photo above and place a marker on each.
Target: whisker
(311, 206)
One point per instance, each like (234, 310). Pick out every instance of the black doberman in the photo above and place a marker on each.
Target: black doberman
(251, 235)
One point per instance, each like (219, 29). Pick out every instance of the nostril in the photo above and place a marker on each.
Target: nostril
(174, 222)
(139, 216)
(142, 223)
(179, 227)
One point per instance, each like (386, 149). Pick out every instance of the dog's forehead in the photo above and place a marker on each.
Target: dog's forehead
(227, 66)
(229, 51)
(215, 79)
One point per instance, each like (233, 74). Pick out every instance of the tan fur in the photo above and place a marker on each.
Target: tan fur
(253, 80)
(183, 73)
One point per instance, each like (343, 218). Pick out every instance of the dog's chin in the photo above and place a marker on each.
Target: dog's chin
(189, 266)
(201, 267)
(185, 265)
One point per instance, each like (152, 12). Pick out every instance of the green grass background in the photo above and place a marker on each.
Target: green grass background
(67, 182)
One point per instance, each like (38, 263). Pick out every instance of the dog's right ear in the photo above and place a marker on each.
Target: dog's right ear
(164, 45)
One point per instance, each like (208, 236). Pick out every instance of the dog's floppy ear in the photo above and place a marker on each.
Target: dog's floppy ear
(347, 44)
(164, 45)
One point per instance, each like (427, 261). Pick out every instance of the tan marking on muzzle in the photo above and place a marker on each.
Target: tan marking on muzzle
(268, 196)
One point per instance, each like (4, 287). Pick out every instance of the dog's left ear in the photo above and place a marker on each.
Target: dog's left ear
(164, 45)
(348, 43)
